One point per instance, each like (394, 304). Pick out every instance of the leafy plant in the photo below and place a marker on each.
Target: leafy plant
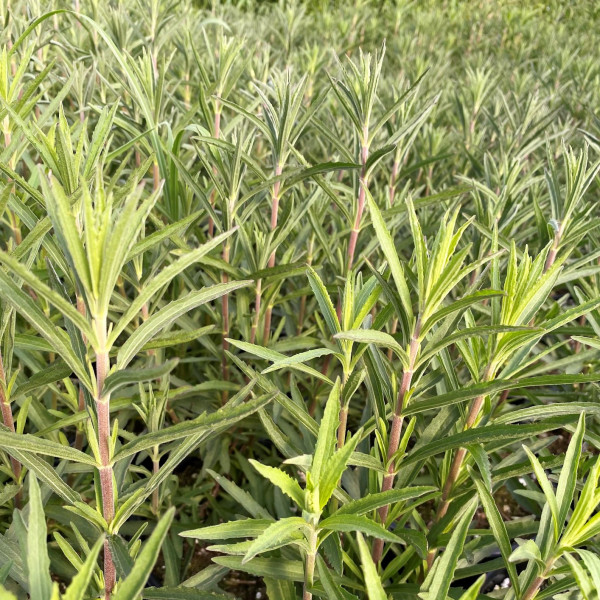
(299, 300)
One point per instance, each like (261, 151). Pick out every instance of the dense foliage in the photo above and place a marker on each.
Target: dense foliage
(299, 300)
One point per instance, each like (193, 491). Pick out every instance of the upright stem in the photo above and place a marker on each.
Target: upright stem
(7, 418)
(106, 472)
(271, 263)
(257, 303)
(217, 130)
(554, 250)
(395, 433)
(309, 570)
(343, 424)
(155, 492)
(361, 200)
(225, 313)
(536, 584)
(457, 462)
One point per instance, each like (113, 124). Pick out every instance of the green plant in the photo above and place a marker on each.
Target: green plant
(303, 295)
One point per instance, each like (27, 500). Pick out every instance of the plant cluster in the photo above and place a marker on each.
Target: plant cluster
(299, 300)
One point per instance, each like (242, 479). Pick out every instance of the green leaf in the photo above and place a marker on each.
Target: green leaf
(55, 372)
(165, 316)
(527, 550)
(119, 379)
(374, 501)
(289, 570)
(290, 487)
(335, 467)
(351, 522)
(592, 562)
(79, 584)
(231, 529)
(481, 435)
(546, 486)
(379, 338)
(389, 250)
(442, 573)
(499, 530)
(151, 288)
(134, 583)
(373, 584)
(277, 357)
(326, 439)
(280, 533)
(57, 338)
(222, 418)
(324, 301)
(38, 562)
(567, 481)
(297, 359)
(29, 443)
(473, 592)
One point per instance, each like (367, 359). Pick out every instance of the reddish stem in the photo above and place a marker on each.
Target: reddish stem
(7, 418)
(396, 431)
(104, 441)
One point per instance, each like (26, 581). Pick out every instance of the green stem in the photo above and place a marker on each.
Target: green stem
(309, 571)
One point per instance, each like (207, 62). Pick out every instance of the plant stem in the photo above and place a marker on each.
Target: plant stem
(395, 433)
(225, 313)
(7, 418)
(257, 302)
(309, 570)
(271, 263)
(343, 423)
(362, 191)
(106, 472)
(554, 249)
(458, 461)
(536, 584)
(217, 130)
(155, 492)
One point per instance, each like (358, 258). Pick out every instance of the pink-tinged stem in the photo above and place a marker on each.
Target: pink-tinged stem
(217, 129)
(7, 418)
(554, 250)
(360, 207)
(271, 263)
(456, 465)
(106, 472)
(396, 432)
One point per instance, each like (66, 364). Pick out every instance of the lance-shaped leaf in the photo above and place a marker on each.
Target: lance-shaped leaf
(277, 534)
(165, 316)
(290, 487)
(387, 245)
(379, 338)
(373, 584)
(78, 587)
(438, 582)
(38, 561)
(119, 379)
(136, 580)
